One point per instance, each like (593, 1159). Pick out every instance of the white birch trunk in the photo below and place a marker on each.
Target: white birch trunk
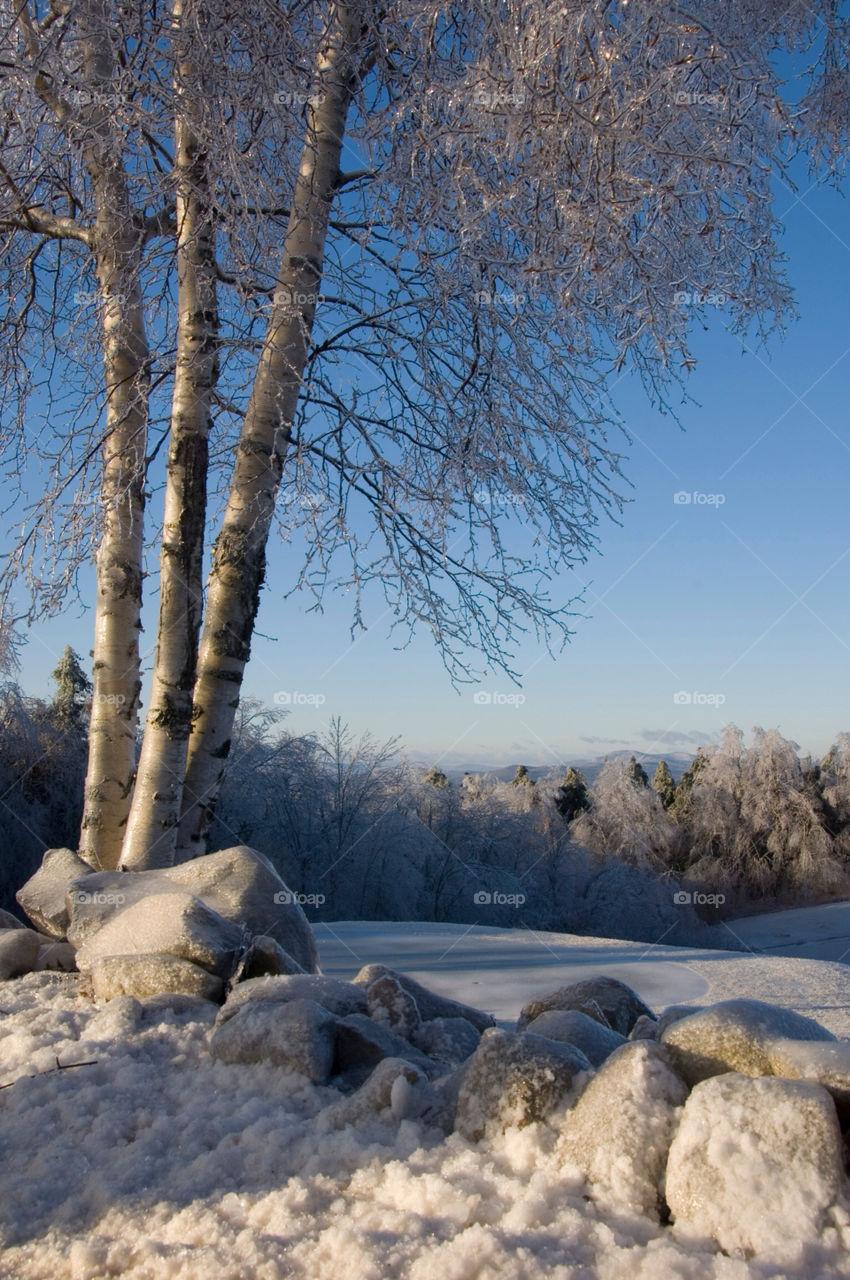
(239, 554)
(155, 813)
(115, 673)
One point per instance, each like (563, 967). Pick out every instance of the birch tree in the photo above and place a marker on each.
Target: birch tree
(383, 263)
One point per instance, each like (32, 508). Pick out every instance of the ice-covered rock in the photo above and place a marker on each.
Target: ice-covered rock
(755, 1163)
(298, 1035)
(392, 1086)
(394, 1008)
(607, 1000)
(340, 998)
(735, 1035)
(152, 975)
(239, 884)
(821, 1062)
(18, 952)
(56, 957)
(619, 1132)
(264, 958)
(8, 921)
(596, 1042)
(450, 1040)
(174, 924)
(440, 1109)
(429, 1004)
(44, 896)
(513, 1079)
(361, 1044)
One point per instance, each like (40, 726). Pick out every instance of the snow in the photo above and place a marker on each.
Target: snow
(159, 1163)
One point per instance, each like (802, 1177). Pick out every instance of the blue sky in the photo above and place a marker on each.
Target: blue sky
(738, 599)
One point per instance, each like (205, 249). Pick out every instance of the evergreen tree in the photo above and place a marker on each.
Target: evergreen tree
(70, 705)
(436, 778)
(521, 777)
(663, 784)
(637, 773)
(571, 797)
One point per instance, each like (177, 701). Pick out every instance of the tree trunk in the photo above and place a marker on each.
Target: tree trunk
(115, 673)
(239, 554)
(155, 814)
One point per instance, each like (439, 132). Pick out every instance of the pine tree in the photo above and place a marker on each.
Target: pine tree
(70, 705)
(571, 797)
(436, 778)
(637, 773)
(663, 784)
(521, 777)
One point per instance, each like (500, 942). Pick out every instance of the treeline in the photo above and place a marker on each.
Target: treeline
(361, 833)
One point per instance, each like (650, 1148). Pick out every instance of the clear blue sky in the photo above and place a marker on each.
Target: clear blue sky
(748, 601)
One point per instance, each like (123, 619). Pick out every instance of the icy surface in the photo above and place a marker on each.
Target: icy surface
(176, 924)
(43, 897)
(151, 975)
(756, 1164)
(595, 1041)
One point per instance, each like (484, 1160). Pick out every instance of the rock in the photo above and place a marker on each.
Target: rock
(440, 1110)
(644, 1029)
(674, 1013)
(569, 1026)
(18, 952)
(264, 958)
(174, 924)
(513, 1079)
(394, 1008)
(8, 921)
(449, 1040)
(56, 957)
(340, 998)
(392, 1086)
(755, 1163)
(298, 1035)
(152, 975)
(361, 1044)
(607, 1000)
(819, 1062)
(619, 1132)
(734, 1035)
(43, 897)
(429, 1004)
(239, 884)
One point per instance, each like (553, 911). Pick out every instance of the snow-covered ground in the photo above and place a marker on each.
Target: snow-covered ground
(157, 1161)
(818, 933)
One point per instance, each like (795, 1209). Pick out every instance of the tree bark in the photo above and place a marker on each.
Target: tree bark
(239, 554)
(155, 813)
(115, 673)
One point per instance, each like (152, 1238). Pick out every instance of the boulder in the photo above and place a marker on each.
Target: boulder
(449, 1040)
(8, 921)
(819, 1062)
(440, 1107)
(394, 1008)
(569, 1026)
(619, 1132)
(238, 884)
(735, 1035)
(755, 1164)
(607, 1000)
(44, 896)
(298, 1035)
(264, 957)
(56, 957)
(513, 1079)
(361, 1044)
(393, 1086)
(174, 924)
(429, 1004)
(340, 998)
(18, 952)
(152, 975)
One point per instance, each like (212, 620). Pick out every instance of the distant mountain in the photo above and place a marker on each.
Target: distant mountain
(677, 761)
